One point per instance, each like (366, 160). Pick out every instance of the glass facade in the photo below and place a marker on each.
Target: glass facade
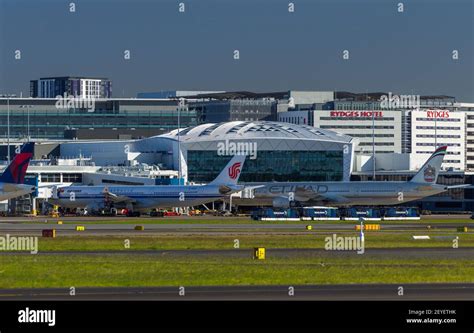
(46, 121)
(204, 166)
(234, 110)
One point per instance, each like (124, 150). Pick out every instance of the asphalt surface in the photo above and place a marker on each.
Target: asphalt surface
(455, 291)
(171, 218)
(120, 225)
(203, 229)
(226, 226)
(287, 253)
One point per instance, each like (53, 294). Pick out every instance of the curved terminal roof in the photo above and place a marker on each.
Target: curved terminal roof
(256, 130)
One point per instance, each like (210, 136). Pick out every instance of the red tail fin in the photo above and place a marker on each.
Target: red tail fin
(16, 170)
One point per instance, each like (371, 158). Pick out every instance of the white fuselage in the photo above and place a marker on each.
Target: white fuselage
(139, 197)
(342, 193)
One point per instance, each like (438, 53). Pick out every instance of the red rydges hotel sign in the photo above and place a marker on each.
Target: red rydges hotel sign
(437, 114)
(356, 114)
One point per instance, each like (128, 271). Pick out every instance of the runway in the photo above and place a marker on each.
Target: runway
(438, 291)
(282, 253)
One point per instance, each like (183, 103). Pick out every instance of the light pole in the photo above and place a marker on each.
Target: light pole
(27, 107)
(362, 236)
(8, 128)
(181, 104)
(373, 143)
(179, 143)
(8, 96)
(370, 106)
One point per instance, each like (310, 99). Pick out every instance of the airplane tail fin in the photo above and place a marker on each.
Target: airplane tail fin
(231, 173)
(428, 174)
(16, 170)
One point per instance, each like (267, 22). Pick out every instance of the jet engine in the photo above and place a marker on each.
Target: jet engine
(281, 202)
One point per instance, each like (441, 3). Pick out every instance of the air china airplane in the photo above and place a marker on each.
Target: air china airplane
(144, 197)
(11, 180)
(284, 195)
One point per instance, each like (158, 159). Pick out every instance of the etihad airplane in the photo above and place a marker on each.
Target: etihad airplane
(12, 179)
(367, 193)
(143, 197)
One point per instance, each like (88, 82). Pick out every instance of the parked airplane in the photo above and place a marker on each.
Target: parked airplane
(11, 180)
(139, 198)
(284, 195)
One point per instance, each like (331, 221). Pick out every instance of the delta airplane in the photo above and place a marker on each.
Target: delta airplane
(368, 193)
(143, 197)
(11, 180)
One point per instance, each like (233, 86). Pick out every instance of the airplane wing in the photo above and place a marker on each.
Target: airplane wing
(117, 198)
(334, 199)
(223, 189)
(303, 194)
(253, 187)
(8, 187)
(459, 186)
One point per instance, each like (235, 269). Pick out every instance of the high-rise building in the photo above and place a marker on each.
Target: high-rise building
(432, 128)
(468, 110)
(83, 87)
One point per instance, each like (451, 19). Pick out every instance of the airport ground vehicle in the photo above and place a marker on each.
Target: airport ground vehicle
(156, 213)
(271, 214)
(320, 213)
(196, 212)
(171, 213)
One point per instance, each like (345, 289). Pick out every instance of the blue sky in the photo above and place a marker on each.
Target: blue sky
(409, 52)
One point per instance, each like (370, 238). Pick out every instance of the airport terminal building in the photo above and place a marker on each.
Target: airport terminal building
(317, 140)
(107, 118)
(276, 151)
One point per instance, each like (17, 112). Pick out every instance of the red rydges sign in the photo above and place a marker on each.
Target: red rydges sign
(437, 114)
(356, 114)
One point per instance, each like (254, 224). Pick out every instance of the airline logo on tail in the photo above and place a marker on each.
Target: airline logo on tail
(16, 171)
(429, 173)
(234, 170)
(19, 166)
